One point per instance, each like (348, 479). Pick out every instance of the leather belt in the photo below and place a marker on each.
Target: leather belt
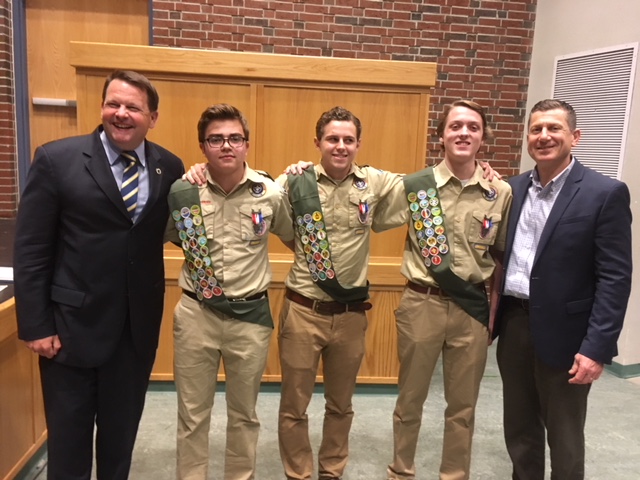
(257, 296)
(435, 290)
(326, 308)
(425, 290)
(522, 303)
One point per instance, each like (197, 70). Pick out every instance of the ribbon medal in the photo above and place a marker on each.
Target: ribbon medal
(259, 225)
(363, 212)
(486, 227)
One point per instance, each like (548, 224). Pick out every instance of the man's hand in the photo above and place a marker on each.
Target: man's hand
(489, 173)
(196, 175)
(585, 370)
(47, 347)
(297, 168)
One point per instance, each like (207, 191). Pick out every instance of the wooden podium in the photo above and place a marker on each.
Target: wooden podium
(282, 96)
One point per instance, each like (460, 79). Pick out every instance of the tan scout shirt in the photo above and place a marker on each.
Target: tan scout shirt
(464, 209)
(240, 257)
(349, 238)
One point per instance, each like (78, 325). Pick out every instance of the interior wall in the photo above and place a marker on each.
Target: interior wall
(572, 26)
(482, 48)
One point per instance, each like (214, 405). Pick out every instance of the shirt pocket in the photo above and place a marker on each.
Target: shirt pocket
(483, 228)
(358, 219)
(251, 231)
(208, 212)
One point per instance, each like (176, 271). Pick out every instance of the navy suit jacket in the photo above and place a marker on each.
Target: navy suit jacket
(581, 276)
(81, 267)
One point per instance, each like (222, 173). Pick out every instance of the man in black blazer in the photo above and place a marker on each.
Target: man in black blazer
(89, 278)
(566, 286)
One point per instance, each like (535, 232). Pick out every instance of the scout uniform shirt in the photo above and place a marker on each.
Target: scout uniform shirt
(348, 230)
(239, 254)
(475, 219)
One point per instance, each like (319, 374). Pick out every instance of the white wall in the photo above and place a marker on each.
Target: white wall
(571, 26)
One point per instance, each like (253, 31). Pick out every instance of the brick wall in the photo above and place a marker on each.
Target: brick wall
(8, 158)
(482, 47)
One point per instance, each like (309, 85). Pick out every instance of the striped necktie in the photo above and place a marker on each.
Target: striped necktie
(129, 189)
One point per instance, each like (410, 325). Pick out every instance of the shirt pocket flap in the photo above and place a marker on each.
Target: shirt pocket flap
(247, 210)
(479, 216)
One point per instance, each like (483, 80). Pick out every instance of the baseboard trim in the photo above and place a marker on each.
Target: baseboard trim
(274, 387)
(624, 371)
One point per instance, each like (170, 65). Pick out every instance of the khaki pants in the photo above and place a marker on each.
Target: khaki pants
(304, 337)
(201, 338)
(427, 326)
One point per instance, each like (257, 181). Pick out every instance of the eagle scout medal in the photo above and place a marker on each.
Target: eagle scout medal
(487, 223)
(363, 212)
(259, 225)
(428, 219)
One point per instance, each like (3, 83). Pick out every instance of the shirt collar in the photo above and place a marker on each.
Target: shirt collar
(248, 174)
(113, 153)
(355, 170)
(443, 175)
(557, 182)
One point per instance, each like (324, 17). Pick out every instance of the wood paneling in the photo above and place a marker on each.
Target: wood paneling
(51, 25)
(22, 429)
(282, 96)
(258, 67)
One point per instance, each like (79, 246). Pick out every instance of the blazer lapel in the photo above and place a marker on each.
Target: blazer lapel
(154, 164)
(566, 195)
(98, 166)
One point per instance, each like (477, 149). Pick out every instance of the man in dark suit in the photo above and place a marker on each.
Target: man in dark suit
(89, 278)
(566, 286)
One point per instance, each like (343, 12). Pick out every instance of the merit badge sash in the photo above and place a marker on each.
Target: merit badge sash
(305, 201)
(186, 212)
(428, 226)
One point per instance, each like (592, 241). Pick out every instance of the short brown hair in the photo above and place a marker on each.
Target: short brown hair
(221, 111)
(137, 80)
(338, 114)
(553, 104)
(487, 133)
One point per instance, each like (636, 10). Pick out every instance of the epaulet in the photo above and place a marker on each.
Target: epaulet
(369, 166)
(265, 174)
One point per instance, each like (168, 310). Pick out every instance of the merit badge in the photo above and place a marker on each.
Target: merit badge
(363, 212)
(486, 227)
(257, 189)
(490, 194)
(259, 225)
(427, 215)
(360, 184)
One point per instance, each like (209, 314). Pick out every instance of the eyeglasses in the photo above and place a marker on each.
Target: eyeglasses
(217, 141)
